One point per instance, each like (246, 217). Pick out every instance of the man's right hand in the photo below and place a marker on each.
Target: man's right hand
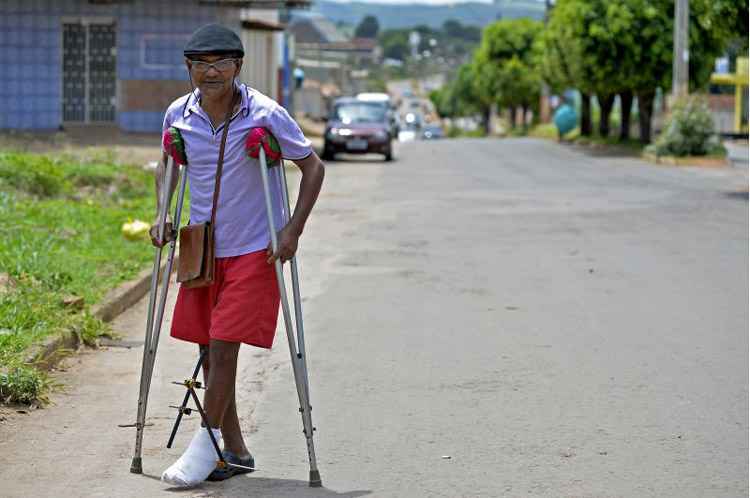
(169, 234)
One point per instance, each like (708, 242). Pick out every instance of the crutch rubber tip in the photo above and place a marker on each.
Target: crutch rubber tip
(136, 466)
(315, 481)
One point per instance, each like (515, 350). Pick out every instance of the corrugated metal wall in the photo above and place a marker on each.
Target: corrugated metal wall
(260, 67)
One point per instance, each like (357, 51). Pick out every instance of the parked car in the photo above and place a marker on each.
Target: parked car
(358, 127)
(432, 132)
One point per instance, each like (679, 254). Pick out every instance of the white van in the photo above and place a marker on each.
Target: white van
(374, 97)
(386, 100)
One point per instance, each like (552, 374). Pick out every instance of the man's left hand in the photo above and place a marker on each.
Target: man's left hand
(288, 240)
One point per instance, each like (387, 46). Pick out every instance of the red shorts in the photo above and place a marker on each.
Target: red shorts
(241, 305)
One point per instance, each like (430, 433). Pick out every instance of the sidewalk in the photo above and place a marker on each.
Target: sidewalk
(100, 392)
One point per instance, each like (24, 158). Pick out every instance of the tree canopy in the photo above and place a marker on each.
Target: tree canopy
(505, 64)
(367, 28)
(602, 48)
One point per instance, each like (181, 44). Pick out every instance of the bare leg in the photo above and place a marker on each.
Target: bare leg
(230, 425)
(232, 433)
(199, 459)
(221, 380)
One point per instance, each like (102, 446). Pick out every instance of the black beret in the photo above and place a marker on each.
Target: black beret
(214, 39)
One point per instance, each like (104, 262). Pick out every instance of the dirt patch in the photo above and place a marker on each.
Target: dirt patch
(697, 161)
(87, 143)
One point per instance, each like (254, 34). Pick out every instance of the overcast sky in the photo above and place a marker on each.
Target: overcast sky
(432, 2)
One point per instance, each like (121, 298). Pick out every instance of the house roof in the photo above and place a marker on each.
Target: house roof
(344, 46)
(316, 29)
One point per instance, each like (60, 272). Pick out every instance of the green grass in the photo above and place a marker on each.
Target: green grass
(544, 130)
(549, 131)
(632, 145)
(61, 236)
(456, 132)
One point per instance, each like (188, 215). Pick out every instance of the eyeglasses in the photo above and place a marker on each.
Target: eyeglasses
(220, 66)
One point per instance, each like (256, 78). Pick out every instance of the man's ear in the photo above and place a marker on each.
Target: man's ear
(188, 64)
(239, 67)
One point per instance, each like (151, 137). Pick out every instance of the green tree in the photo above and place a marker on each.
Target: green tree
(582, 51)
(456, 30)
(605, 48)
(713, 23)
(506, 66)
(395, 43)
(485, 86)
(367, 28)
(714, 26)
(561, 64)
(459, 97)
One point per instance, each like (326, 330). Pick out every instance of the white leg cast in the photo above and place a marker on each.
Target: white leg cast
(198, 461)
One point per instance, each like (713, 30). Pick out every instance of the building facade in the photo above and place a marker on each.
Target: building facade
(116, 62)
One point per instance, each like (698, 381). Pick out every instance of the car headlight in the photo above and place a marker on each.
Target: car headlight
(333, 133)
(381, 135)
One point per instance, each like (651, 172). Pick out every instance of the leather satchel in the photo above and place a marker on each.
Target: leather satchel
(195, 267)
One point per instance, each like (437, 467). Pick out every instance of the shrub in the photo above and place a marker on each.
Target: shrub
(689, 131)
(24, 384)
(37, 175)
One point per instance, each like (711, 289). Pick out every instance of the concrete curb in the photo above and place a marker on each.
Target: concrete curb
(52, 350)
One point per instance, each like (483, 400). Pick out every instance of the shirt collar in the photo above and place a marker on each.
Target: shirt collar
(193, 102)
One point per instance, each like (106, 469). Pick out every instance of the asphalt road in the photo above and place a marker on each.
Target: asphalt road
(488, 318)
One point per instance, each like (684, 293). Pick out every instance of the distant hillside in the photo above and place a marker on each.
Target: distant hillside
(408, 15)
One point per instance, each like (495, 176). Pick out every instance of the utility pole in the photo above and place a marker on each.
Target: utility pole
(287, 94)
(545, 112)
(681, 55)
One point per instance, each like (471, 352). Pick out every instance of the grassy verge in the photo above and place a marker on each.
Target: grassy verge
(456, 132)
(613, 143)
(60, 241)
(633, 146)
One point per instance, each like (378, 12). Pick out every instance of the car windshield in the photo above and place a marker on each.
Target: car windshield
(360, 112)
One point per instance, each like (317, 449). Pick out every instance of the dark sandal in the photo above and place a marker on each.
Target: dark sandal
(221, 474)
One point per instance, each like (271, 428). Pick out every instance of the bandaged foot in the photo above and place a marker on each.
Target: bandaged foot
(198, 461)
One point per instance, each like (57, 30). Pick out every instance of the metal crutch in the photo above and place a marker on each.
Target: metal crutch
(298, 361)
(295, 281)
(153, 323)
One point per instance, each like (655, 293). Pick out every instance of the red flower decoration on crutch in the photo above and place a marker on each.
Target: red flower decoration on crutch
(174, 145)
(261, 137)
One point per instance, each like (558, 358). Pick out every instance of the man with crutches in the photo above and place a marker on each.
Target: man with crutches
(241, 303)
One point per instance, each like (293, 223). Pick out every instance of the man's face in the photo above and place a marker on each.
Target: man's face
(213, 74)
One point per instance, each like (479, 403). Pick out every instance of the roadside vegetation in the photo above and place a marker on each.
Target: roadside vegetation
(612, 61)
(61, 250)
(688, 132)
(448, 45)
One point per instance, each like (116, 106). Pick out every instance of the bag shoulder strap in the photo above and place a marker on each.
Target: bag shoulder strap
(220, 163)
